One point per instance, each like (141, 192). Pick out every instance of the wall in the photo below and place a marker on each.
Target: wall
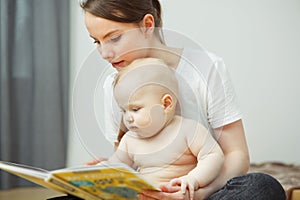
(81, 47)
(259, 41)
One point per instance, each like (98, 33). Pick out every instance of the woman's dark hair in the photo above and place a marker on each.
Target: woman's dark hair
(126, 11)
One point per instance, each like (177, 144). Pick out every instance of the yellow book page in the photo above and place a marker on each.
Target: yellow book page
(68, 188)
(44, 178)
(108, 183)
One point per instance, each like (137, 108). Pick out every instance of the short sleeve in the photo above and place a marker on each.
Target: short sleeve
(222, 106)
(206, 93)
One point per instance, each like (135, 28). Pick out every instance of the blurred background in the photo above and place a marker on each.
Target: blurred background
(44, 45)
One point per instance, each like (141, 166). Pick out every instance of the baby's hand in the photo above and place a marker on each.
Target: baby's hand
(95, 161)
(186, 183)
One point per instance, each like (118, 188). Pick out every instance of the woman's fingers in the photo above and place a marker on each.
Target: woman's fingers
(95, 161)
(155, 195)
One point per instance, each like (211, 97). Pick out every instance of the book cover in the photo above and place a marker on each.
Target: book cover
(114, 181)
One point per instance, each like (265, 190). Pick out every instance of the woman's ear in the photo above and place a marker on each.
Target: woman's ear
(167, 102)
(148, 24)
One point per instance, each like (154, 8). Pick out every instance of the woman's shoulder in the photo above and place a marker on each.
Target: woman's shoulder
(199, 54)
(198, 60)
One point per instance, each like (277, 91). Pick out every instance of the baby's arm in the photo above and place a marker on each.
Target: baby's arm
(210, 160)
(121, 155)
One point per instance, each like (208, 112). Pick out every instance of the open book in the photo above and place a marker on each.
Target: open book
(115, 181)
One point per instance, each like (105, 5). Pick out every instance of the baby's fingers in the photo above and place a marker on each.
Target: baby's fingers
(175, 182)
(191, 190)
(179, 182)
(183, 186)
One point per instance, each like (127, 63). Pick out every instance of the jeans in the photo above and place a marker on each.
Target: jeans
(256, 186)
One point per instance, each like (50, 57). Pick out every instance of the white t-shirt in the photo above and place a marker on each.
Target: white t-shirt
(206, 93)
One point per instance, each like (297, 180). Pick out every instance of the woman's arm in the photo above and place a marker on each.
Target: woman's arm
(233, 143)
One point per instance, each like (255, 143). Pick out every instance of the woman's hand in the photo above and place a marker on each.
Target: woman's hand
(95, 161)
(167, 192)
(174, 193)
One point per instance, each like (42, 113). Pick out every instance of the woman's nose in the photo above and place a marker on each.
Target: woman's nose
(106, 52)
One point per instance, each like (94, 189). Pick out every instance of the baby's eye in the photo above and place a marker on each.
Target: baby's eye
(123, 111)
(135, 109)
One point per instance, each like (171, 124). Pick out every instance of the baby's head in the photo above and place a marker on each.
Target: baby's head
(146, 91)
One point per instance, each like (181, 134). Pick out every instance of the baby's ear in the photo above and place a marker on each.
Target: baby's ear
(167, 102)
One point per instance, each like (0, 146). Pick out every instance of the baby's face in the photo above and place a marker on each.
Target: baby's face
(139, 91)
(143, 112)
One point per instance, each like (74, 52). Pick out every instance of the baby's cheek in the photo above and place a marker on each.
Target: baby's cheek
(144, 120)
(157, 115)
(154, 120)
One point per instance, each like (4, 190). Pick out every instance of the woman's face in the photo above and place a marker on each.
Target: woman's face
(118, 43)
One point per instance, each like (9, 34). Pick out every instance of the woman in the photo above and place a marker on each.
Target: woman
(130, 29)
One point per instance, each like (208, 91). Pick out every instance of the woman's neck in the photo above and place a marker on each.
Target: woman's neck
(170, 55)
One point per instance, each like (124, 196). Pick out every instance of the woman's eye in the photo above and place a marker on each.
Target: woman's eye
(135, 109)
(96, 42)
(116, 38)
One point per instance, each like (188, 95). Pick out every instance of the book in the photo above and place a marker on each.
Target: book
(113, 181)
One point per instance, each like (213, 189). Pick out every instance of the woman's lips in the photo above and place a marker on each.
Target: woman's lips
(118, 64)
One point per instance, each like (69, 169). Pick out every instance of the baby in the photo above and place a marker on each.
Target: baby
(163, 146)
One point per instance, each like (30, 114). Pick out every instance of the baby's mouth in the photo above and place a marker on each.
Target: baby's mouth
(133, 127)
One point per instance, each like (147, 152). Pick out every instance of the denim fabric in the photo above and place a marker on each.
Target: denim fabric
(256, 186)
